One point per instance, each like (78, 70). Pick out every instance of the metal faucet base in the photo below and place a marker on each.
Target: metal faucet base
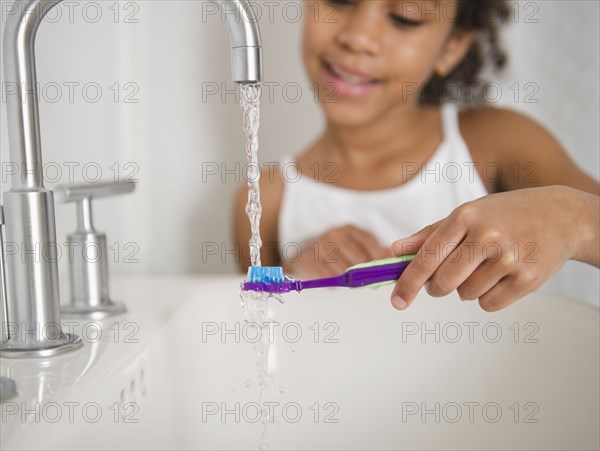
(94, 311)
(71, 343)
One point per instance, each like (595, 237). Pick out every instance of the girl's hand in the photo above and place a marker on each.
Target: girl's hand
(501, 247)
(334, 251)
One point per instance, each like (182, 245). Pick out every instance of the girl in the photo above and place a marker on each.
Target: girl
(499, 204)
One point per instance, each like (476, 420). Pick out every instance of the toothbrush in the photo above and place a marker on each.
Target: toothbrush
(270, 279)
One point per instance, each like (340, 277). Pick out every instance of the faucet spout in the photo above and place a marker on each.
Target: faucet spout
(31, 305)
(244, 35)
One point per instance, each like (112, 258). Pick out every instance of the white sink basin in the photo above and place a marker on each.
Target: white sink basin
(360, 376)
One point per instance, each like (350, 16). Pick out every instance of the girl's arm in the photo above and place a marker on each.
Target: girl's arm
(499, 248)
(530, 156)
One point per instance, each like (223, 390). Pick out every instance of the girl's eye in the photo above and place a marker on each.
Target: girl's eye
(342, 2)
(402, 21)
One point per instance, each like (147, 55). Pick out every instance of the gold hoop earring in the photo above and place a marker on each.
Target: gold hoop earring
(440, 73)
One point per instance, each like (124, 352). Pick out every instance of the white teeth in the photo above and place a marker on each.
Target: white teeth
(347, 77)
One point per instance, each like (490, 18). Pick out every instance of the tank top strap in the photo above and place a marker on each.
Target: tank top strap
(450, 122)
(457, 148)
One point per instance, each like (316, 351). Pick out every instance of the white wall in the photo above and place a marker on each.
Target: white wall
(176, 51)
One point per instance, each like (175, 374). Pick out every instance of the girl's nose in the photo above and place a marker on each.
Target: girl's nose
(362, 32)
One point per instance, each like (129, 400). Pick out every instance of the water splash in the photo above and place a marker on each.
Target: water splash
(256, 312)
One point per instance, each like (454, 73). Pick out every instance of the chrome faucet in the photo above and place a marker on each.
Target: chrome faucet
(31, 319)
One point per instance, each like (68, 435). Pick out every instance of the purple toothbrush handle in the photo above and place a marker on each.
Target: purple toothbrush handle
(358, 277)
(361, 277)
(336, 281)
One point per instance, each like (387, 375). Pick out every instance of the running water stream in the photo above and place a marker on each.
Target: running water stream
(255, 305)
(250, 104)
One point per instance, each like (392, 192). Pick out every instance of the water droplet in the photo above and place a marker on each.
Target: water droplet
(266, 415)
(282, 389)
(248, 383)
(279, 298)
(294, 348)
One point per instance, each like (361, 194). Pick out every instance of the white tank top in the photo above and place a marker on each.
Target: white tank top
(310, 207)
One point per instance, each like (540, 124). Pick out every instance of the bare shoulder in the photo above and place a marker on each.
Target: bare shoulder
(527, 152)
(497, 133)
(498, 121)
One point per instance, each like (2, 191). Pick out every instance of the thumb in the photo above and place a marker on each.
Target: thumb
(412, 244)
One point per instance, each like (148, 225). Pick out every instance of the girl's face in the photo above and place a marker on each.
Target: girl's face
(368, 58)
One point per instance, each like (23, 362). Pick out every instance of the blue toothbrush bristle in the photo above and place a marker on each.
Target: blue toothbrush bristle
(265, 274)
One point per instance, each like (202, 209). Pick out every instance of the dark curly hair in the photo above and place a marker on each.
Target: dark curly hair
(485, 17)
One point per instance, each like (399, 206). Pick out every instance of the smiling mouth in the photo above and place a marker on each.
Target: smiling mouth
(349, 77)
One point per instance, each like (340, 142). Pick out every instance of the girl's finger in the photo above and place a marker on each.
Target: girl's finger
(413, 243)
(426, 262)
(335, 256)
(367, 241)
(504, 293)
(457, 267)
(351, 252)
(333, 268)
(481, 281)
(317, 270)
(384, 252)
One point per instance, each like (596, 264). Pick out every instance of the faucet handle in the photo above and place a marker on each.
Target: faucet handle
(83, 193)
(79, 191)
(89, 276)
